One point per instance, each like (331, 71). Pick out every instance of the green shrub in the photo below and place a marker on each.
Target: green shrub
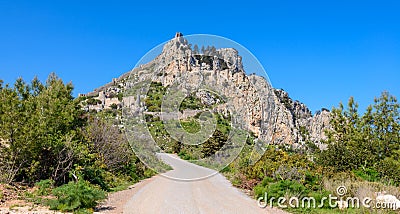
(389, 169)
(114, 106)
(120, 96)
(226, 169)
(259, 191)
(93, 101)
(149, 173)
(191, 125)
(312, 181)
(318, 198)
(279, 189)
(266, 181)
(367, 174)
(83, 211)
(185, 156)
(44, 187)
(76, 196)
(191, 102)
(95, 175)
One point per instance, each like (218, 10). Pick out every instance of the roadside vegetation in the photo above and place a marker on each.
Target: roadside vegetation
(70, 157)
(362, 154)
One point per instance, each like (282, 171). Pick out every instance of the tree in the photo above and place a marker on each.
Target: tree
(196, 49)
(370, 141)
(214, 144)
(114, 106)
(9, 134)
(386, 124)
(40, 125)
(109, 143)
(120, 96)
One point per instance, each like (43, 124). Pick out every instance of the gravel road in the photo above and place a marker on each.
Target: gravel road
(214, 194)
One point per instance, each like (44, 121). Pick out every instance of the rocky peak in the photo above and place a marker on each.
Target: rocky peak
(231, 57)
(179, 54)
(298, 109)
(273, 116)
(176, 48)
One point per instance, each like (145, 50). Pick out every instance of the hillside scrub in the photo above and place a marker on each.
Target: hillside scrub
(46, 138)
(362, 154)
(190, 124)
(45, 135)
(367, 144)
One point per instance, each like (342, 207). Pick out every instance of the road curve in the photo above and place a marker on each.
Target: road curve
(210, 195)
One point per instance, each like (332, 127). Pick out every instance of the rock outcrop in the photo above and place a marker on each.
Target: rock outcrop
(270, 114)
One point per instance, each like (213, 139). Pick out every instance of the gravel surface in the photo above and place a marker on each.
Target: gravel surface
(161, 194)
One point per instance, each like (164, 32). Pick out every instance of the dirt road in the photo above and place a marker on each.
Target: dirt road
(210, 195)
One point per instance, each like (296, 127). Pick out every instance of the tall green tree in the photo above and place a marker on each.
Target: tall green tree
(39, 129)
(368, 141)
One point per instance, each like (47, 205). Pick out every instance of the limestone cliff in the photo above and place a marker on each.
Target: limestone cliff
(270, 113)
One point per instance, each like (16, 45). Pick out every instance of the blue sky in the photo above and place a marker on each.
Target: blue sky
(321, 52)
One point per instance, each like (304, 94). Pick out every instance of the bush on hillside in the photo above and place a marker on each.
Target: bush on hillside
(75, 196)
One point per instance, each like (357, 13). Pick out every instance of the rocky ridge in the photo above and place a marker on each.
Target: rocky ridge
(273, 116)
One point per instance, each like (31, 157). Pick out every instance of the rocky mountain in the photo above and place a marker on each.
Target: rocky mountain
(270, 114)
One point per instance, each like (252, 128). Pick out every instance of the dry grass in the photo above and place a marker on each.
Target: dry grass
(13, 201)
(361, 189)
(357, 188)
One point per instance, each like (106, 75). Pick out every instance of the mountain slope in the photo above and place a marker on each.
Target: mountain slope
(270, 114)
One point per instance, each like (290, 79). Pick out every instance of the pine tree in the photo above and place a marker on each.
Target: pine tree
(196, 49)
(367, 142)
